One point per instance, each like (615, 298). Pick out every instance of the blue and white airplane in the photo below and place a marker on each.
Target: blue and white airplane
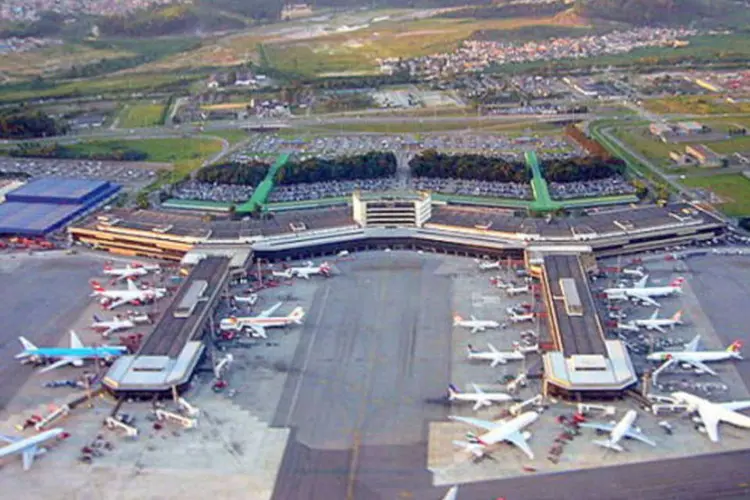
(75, 354)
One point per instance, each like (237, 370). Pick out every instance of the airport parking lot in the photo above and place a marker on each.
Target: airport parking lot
(132, 175)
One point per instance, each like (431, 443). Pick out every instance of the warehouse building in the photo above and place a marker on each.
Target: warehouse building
(46, 205)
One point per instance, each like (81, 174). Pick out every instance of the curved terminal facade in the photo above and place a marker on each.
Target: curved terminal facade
(579, 363)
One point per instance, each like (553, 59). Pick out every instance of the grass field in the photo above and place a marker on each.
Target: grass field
(730, 146)
(644, 143)
(231, 136)
(734, 189)
(185, 154)
(344, 53)
(140, 115)
(698, 105)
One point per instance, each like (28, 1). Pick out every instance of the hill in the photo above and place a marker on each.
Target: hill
(170, 20)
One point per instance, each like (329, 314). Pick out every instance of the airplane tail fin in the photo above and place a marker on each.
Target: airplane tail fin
(27, 345)
(97, 319)
(609, 445)
(325, 268)
(678, 283)
(735, 347)
(677, 316)
(96, 286)
(296, 315)
(457, 319)
(470, 349)
(452, 392)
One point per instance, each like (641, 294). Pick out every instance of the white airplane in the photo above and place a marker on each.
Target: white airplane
(514, 317)
(258, 324)
(73, 355)
(310, 269)
(494, 356)
(656, 323)
(640, 292)
(517, 290)
(711, 414)
(250, 299)
(636, 272)
(111, 326)
(133, 295)
(487, 265)
(29, 447)
(130, 271)
(627, 327)
(499, 283)
(510, 431)
(622, 429)
(478, 397)
(476, 325)
(695, 358)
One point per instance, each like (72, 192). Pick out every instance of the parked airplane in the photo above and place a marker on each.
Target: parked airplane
(451, 494)
(258, 324)
(29, 447)
(627, 327)
(510, 431)
(310, 269)
(478, 397)
(656, 323)
(517, 290)
(711, 414)
(75, 354)
(695, 358)
(641, 293)
(623, 428)
(636, 272)
(514, 317)
(111, 326)
(250, 299)
(476, 325)
(130, 271)
(133, 295)
(494, 356)
(488, 265)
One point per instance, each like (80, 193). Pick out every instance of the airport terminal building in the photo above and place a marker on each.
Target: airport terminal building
(579, 363)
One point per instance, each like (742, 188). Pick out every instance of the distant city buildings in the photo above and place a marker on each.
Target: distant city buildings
(30, 10)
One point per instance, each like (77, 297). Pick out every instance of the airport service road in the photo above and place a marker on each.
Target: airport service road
(722, 284)
(41, 295)
(375, 344)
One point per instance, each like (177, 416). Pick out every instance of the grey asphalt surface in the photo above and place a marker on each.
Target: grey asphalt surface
(376, 343)
(339, 375)
(722, 285)
(41, 297)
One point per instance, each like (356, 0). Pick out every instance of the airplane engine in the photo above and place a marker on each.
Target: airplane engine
(527, 434)
(78, 362)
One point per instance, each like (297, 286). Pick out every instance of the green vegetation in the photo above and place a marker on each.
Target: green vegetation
(650, 12)
(22, 123)
(372, 165)
(169, 19)
(141, 115)
(696, 105)
(736, 145)
(247, 174)
(716, 50)
(430, 163)
(232, 136)
(581, 169)
(733, 189)
(643, 142)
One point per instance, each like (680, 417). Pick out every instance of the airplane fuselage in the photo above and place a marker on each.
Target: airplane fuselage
(634, 293)
(478, 324)
(693, 356)
(623, 426)
(81, 352)
(517, 424)
(22, 444)
(501, 357)
(723, 414)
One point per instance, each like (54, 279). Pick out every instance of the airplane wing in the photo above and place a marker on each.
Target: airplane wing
(119, 302)
(451, 494)
(132, 287)
(641, 283)
(9, 439)
(477, 329)
(700, 365)
(692, 346)
(258, 330)
(498, 361)
(28, 455)
(645, 298)
(476, 422)
(518, 440)
(598, 426)
(270, 310)
(477, 389)
(658, 329)
(655, 314)
(57, 364)
(735, 405)
(633, 434)
(710, 421)
(75, 342)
